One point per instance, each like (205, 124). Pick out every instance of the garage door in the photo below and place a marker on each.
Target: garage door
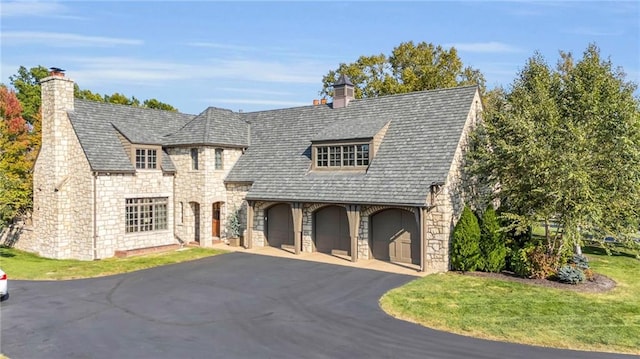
(279, 225)
(332, 230)
(395, 236)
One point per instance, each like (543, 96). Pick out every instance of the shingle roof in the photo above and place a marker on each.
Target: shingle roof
(214, 126)
(96, 125)
(417, 150)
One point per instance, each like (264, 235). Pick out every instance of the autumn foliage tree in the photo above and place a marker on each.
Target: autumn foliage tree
(16, 149)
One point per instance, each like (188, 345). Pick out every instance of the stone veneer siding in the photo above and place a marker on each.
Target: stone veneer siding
(438, 222)
(204, 187)
(111, 193)
(62, 221)
(449, 202)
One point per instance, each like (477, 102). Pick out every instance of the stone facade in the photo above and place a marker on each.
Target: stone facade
(112, 191)
(80, 213)
(62, 182)
(448, 202)
(198, 190)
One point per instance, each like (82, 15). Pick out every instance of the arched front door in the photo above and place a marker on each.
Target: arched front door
(279, 225)
(215, 220)
(331, 228)
(395, 236)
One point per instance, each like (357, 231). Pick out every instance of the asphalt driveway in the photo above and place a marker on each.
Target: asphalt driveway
(236, 305)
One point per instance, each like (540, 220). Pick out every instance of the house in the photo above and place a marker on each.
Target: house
(366, 178)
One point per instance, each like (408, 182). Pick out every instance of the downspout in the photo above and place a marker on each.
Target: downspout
(95, 221)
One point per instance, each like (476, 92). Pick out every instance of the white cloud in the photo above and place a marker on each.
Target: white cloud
(484, 47)
(51, 9)
(57, 39)
(149, 72)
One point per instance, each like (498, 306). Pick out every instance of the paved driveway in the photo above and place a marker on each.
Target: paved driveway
(236, 305)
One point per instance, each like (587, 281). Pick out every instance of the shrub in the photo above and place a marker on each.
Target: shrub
(519, 261)
(580, 261)
(571, 274)
(465, 247)
(492, 244)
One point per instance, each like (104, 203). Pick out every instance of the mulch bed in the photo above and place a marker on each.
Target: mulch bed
(599, 283)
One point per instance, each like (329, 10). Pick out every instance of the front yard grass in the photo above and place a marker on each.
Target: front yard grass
(521, 313)
(23, 265)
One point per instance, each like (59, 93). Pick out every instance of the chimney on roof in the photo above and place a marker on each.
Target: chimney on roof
(342, 92)
(56, 71)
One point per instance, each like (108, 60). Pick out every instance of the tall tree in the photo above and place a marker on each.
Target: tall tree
(408, 68)
(564, 147)
(27, 86)
(16, 158)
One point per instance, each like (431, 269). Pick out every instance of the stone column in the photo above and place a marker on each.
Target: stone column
(353, 216)
(250, 211)
(296, 212)
(420, 218)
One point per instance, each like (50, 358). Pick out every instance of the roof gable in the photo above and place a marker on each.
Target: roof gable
(417, 150)
(214, 126)
(96, 123)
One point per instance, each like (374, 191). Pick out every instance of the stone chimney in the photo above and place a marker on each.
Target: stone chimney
(57, 99)
(342, 92)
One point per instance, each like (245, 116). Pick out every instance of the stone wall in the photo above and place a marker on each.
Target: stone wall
(449, 201)
(201, 188)
(62, 182)
(111, 192)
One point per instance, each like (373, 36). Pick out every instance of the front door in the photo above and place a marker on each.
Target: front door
(215, 220)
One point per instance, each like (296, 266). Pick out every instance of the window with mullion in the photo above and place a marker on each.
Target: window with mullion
(145, 214)
(348, 153)
(146, 158)
(335, 156)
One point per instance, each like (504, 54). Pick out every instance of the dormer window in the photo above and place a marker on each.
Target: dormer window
(146, 158)
(342, 156)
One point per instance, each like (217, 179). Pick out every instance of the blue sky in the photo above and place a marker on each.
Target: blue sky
(265, 55)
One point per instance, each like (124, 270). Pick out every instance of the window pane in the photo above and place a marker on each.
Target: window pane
(335, 156)
(194, 158)
(145, 214)
(140, 158)
(322, 157)
(348, 154)
(219, 158)
(362, 158)
(151, 158)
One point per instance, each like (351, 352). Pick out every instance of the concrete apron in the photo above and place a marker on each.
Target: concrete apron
(372, 264)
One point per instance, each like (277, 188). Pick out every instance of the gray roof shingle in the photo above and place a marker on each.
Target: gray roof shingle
(214, 126)
(96, 123)
(417, 150)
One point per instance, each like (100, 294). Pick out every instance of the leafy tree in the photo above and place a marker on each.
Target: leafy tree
(408, 68)
(564, 147)
(86, 94)
(27, 86)
(153, 103)
(465, 248)
(16, 160)
(492, 244)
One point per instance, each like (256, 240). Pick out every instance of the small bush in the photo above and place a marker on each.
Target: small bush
(492, 244)
(570, 274)
(519, 262)
(465, 249)
(580, 261)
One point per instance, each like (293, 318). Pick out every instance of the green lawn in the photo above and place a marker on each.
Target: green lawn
(521, 313)
(23, 265)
